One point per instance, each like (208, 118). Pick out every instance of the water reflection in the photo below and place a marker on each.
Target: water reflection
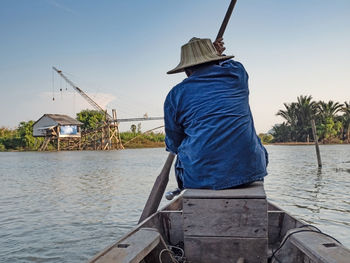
(317, 196)
(64, 207)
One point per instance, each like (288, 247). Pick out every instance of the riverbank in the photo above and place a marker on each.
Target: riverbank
(14, 141)
(291, 143)
(132, 140)
(139, 143)
(302, 143)
(143, 143)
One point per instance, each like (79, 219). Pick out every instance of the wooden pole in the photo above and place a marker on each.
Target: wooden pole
(103, 138)
(316, 143)
(58, 138)
(158, 190)
(226, 19)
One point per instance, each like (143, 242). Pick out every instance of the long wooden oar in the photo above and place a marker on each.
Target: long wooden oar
(226, 19)
(158, 189)
(161, 182)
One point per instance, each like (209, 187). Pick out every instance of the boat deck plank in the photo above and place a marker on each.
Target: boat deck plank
(320, 248)
(253, 191)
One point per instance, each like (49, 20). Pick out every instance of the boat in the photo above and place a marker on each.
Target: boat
(233, 225)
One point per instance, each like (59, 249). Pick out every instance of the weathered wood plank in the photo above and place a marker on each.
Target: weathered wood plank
(311, 247)
(151, 222)
(273, 207)
(134, 248)
(253, 191)
(289, 222)
(320, 248)
(225, 249)
(275, 221)
(172, 225)
(225, 217)
(174, 205)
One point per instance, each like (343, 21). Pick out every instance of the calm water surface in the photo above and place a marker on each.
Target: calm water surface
(67, 206)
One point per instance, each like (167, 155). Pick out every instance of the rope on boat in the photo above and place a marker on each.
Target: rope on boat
(174, 256)
(303, 230)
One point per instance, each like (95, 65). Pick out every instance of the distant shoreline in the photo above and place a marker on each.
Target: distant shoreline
(302, 143)
(150, 144)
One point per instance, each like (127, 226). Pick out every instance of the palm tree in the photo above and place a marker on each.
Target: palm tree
(346, 120)
(290, 115)
(298, 115)
(281, 132)
(306, 110)
(329, 109)
(330, 122)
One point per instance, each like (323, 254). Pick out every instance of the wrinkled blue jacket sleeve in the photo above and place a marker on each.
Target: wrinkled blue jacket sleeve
(174, 132)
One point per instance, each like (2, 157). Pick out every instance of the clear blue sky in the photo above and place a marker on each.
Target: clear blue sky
(119, 51)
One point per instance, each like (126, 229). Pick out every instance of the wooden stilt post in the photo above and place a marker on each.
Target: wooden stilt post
(316, 143)
(116, 132)
(109, 141)
(102, 138)
(95, 139)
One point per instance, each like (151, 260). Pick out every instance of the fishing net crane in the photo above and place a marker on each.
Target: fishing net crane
(107, 136)
(84, 95)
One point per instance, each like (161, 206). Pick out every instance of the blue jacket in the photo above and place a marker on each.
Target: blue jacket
(209, 125)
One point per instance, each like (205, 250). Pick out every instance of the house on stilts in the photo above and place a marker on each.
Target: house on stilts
(63, 131)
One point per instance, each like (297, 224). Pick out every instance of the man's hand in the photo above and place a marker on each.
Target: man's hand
(219, 45)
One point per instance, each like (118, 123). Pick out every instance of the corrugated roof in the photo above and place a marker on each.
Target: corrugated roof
(63, 119)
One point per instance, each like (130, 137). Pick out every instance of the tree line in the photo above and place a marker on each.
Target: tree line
(21, 138)
(332, 122)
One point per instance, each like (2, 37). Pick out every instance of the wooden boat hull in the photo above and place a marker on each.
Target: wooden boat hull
(289, 240)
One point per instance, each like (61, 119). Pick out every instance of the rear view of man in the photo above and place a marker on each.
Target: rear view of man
(208, 122)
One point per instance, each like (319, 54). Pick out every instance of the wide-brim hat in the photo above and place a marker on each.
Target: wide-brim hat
(197, 51)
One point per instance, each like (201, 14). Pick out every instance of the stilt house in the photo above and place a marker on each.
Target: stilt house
(57, 127)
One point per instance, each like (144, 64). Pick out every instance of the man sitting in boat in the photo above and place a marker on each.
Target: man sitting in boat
(208, 122)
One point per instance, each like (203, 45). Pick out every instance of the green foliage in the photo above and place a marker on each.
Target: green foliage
(328, 110)
(345, 119)
(331, 127)
(126, 136)
(155, 137)
(298, 116)
(91, 119)
(25, 132)
(8, 138)
(152, 137)
(265, 138)
(20, 138)
(281, 132)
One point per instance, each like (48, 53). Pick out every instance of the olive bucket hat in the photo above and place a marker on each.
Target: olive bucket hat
(197, 51)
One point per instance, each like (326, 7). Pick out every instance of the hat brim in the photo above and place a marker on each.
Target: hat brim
(180, 68)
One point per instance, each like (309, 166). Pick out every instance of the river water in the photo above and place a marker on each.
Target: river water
(67, 206)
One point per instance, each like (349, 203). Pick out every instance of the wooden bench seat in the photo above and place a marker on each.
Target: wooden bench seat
(225, 225)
